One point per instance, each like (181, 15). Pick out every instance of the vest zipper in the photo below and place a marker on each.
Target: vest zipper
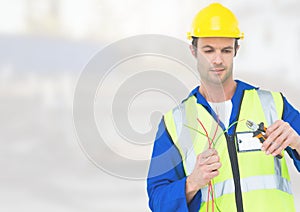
(232, 151)
(235, 171)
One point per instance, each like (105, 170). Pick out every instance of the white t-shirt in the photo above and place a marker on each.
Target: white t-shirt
(223, 110)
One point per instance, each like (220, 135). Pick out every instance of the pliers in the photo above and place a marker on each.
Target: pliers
(259, 132)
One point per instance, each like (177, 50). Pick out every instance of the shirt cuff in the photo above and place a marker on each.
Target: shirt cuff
(295, 156)
(195, 203)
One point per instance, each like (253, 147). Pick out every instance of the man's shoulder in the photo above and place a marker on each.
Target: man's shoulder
(245, 86)
(182, 104)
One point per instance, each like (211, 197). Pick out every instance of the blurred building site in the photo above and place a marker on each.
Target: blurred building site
(45, 46)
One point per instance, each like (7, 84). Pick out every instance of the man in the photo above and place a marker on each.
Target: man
(205, 157)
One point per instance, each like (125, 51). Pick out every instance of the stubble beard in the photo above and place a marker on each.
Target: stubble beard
(208, 77)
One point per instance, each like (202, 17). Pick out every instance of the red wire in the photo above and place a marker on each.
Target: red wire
(212, 198)
(216, 130)
(210, 186)
(204, 130)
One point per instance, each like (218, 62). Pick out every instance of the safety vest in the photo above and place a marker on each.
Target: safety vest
(247, 181)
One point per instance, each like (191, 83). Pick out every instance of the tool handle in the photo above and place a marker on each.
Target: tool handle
(262, 139)
(261, 127)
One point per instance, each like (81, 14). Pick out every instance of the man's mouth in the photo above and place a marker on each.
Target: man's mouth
(218, 70)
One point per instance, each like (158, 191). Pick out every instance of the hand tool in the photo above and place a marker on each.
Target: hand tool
(259, 132)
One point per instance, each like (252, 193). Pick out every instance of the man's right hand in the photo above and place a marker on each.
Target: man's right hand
(206, 168)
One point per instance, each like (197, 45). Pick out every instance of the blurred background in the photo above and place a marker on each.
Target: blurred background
(46, 44)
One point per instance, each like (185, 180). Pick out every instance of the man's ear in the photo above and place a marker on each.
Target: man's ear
(236, 49)
(193, 50)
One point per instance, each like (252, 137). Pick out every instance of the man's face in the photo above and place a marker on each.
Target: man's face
(215, 59)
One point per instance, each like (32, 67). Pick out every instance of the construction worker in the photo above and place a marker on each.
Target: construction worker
(205, 157)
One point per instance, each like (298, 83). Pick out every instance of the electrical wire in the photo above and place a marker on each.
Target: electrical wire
(210, 184)
(212, 142)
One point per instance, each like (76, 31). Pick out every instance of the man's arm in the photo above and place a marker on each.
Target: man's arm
(166, 183)
(206, 168)
(281, 135)
(284, 134)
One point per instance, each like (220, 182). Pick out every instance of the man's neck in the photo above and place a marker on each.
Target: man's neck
(218, 92)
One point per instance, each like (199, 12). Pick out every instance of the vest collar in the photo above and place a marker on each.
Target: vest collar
(236, 100)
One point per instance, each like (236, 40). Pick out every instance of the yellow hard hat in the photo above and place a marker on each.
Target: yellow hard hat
(215, 20)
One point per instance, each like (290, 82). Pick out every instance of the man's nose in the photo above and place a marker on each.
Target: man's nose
(217, 59)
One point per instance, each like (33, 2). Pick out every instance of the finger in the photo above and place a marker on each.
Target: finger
(213, 174)
(280, 149)
(273, 147)
(208, 176)
(207, 153)
(279, 136)
(279, 141)
(266, 145)
(202, 160)
(213, 167)
(274, 127)
(212, 159)
(208, 160)
(277, 128)
(273, 135)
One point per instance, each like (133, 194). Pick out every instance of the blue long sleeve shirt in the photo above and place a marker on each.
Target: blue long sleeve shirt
(166, 178)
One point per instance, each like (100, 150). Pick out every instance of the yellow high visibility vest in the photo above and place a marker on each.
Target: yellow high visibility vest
(264, 180)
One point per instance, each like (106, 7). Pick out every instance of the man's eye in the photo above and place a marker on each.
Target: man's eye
(227, 51)
(208, 51)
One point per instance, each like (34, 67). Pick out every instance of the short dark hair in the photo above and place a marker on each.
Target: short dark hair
(195, 44)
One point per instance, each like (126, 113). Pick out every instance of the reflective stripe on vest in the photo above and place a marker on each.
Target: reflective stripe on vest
(265, 181)
(184, 139)
(249, 184)
(268, 105)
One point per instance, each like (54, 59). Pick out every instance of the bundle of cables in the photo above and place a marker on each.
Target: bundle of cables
(211, 143)
(210, 184)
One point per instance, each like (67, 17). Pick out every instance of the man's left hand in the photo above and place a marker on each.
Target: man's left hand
(280, 135)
